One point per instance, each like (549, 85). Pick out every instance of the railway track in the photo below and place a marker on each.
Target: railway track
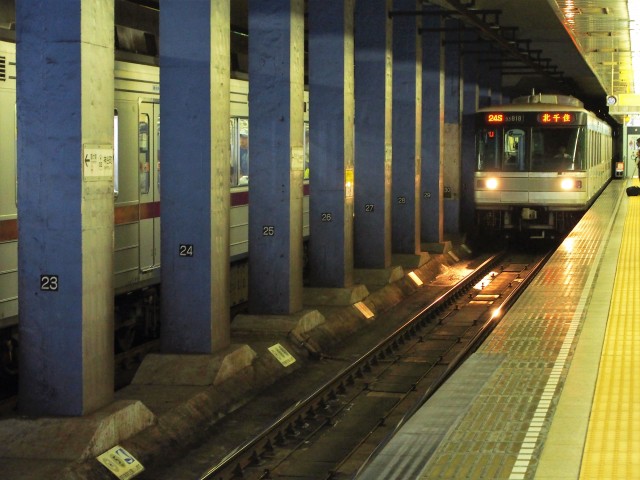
(331, 432)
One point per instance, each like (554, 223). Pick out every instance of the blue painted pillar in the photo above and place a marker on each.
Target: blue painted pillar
(276, 107)
(470, 101)
(194, 75)
(407, 129)
(452, 115)
(373, 79)
(331, 96)
(65, 205)
(431, 193)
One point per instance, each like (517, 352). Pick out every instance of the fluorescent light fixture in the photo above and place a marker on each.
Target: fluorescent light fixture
(364, 310)
(415, 278)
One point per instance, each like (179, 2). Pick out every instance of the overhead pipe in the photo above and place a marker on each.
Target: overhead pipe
(488, 32)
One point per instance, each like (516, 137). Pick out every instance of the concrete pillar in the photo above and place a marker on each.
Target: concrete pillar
(331, 96)
(407, 129)
(65, 205)
(470, 101)
(194, 74)
(452, 109)
(484, 73)
(276, 103)
(373, 79)
(432, 176)
(495, 80)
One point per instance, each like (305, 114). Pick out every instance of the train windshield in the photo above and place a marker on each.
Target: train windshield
(539, 149)
(557, 149)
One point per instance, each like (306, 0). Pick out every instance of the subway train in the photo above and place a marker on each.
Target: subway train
(541, 161)
(137, 187)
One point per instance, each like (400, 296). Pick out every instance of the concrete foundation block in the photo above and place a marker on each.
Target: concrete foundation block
(335, 296)
(74, 438)
(410, 261)
(436, 247)
(194, 370)
(297, 323)
(378, 276)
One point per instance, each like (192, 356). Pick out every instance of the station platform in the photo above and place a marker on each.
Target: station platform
(554, 392)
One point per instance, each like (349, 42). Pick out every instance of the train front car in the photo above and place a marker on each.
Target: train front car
(540, 163)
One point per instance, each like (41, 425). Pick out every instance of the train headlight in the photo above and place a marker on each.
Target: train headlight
(568, 184)
(491, 183)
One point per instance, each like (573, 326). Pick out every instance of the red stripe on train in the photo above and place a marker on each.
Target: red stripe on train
(8, 230)
(126, 214)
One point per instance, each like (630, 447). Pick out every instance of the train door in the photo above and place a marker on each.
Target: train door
(149, 184)
(514, 151)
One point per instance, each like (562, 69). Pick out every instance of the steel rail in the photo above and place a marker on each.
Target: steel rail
(262, 441)
(489, 321)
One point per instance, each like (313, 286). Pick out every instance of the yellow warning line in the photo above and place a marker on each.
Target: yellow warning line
(612, 449)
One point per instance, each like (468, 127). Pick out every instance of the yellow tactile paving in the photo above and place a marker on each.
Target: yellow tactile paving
(612, 449)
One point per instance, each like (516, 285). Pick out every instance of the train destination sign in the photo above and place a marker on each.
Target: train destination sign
(545, 118)
(556, 117)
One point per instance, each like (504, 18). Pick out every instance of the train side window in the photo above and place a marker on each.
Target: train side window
(514, 150)
(579, 157)
(143, 153)
(116, 163)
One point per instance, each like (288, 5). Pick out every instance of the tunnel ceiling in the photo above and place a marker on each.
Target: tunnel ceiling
(579, 47)
(587, 40)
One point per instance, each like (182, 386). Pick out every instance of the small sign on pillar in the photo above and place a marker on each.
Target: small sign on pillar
(97, 162)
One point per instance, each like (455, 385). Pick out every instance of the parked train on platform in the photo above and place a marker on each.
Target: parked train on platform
(541, 161)
(137, 187)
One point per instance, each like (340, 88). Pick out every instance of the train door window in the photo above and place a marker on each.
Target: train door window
(233, 159)
(554, 149)
(487, 149)
(15, 150)
(306, 150)
(514, 150)
(243, 151)
(143, 153)
(116, 163)
(158, 153)
(149, 195)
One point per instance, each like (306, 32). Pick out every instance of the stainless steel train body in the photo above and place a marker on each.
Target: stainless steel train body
(540, 163)
(137, 187)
